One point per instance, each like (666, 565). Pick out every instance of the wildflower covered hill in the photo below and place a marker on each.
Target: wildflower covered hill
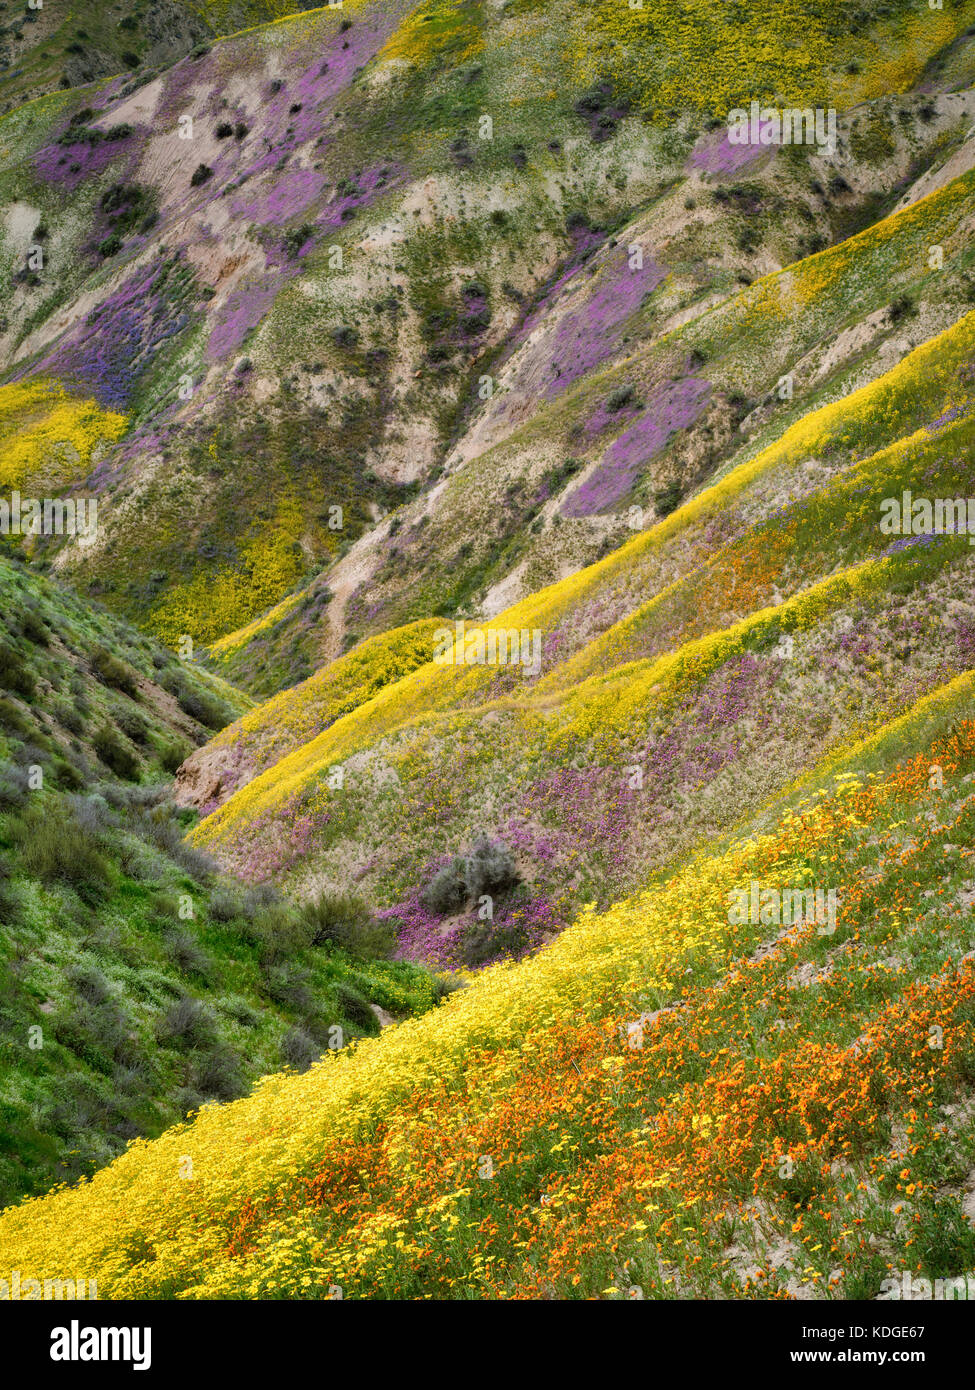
(674, 1098)
(677, 684)
(582, 500)
(334, 266)
(633, 383)
(136, 981)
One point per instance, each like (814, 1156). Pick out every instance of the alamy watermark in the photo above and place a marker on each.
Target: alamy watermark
(492, 646)
(913, 1288)
(908, 515)
(48, 516)
(77, 1343)
(756, 125)
(17, 1290)
(784, 907)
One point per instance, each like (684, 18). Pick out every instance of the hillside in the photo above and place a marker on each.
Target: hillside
(135, 981)
(658, 1100)
(663, 710)
(487, 811)
(303, 337)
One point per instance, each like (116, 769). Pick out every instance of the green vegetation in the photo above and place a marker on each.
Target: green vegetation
(136, 983)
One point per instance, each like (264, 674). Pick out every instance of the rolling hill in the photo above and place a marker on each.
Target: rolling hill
(531, 622)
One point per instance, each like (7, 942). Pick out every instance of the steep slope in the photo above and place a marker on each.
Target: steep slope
(45, 49)
(584, 501)
(135, 982)
(773, 616)
(301, 335)
(675, 1099)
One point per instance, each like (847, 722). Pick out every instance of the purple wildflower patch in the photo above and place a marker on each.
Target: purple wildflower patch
(672, 407)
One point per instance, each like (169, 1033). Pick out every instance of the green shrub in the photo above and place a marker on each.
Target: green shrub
(55, 847)
(173, 754)
(89, 983)
(131, 724)
(206, 709)
(14, 675)
(68, 715)
(225, 904)
(186, 1024)
(344, 920)
(12, 717)
(487, 868)
(296, 239)
(944, 1241)
(483, 942)
(189, 957)
(667, 499)
(354, 1007)
(66, 776)
(902, 308)
(34, 628)
(13, 788)
(218, 1074)
(298, 1050)
(288, 985)
(116, 753)
(237, 1008)
(111, 671)
(9, 905)
(447, 890)
(622, 396)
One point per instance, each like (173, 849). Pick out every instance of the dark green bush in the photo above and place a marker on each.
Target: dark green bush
(116, 753)
(14, 674)
(54, 846)
(344, 920)
(447, 890)
(668, 499)
(68, 716)
(189, 956)
(483, 942)
(218, 1074)
(111, 671)
(34, 628)
(173, 754)
(622, 396)
(354, 1007)
(226, 904)
(298, 1050)
(296, 239)
(12, 717)
(13, 788)
(131, 724)
(185, 1024)
(206, 709)
(288, 985)
(66, 776)
(487, 868)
